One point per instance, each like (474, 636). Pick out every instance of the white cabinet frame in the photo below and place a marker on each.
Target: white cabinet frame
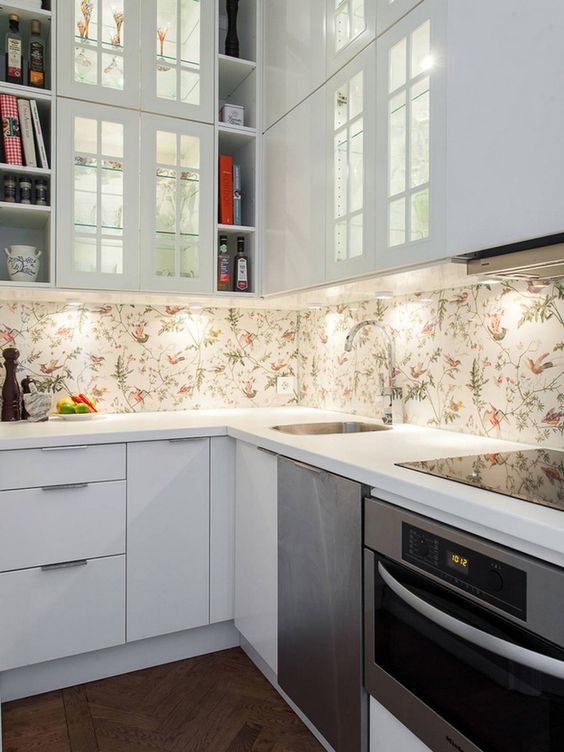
(341, 13)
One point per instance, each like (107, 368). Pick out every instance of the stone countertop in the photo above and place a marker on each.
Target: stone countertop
(368, 458)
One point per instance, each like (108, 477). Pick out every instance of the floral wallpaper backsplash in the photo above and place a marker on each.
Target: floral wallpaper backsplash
(485, 360)
(135, 358)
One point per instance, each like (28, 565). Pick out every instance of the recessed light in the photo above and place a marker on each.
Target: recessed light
(489, 280)
(314, 307)
(384, 295)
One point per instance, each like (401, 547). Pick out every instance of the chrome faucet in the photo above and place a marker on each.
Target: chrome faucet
(385, 391)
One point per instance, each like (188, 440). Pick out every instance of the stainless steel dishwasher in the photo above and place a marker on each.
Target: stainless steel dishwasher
(320, 601)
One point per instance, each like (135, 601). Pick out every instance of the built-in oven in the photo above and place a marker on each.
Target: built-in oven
(464, 639)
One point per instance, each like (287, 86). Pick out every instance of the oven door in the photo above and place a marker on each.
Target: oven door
(456, 674)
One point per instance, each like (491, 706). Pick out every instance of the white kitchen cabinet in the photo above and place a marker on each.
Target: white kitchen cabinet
(222, 531)
(411, 142)
(505, 115)
(178, 58)
(98, 51)
(177, 180)
(351, 25)
(256, 550)
(389, 12)
(294, 198)
(168, 543)
(97, 196)
(351, 146)
(387, 734)
(294, 54)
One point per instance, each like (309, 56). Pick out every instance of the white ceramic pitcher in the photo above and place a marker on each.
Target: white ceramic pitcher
(22, 262)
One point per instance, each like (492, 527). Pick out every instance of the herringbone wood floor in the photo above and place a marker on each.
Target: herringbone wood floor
(213, 703)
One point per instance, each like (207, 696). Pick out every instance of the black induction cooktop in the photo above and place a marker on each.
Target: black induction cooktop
(535, 475)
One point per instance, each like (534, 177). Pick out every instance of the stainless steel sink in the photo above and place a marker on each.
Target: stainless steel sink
(316, 429)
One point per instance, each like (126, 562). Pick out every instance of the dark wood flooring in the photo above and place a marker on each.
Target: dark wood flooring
(213, 703)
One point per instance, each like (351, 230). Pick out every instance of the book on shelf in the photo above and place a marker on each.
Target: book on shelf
(11, 129)
(237, 216)
(225, 190)
(38, 134)
(26, 130)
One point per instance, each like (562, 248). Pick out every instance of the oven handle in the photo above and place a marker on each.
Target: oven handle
(502, 648)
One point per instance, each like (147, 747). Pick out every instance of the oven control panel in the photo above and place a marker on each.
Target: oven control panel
(484, 577)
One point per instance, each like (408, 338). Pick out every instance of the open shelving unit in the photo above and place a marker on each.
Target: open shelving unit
(238, 82)
(30, 224)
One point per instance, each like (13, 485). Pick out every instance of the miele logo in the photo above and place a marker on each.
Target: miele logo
(454, 744)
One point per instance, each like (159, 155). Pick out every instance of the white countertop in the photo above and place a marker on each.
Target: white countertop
(368, 458)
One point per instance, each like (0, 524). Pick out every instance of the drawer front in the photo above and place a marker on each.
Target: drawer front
(61, 523)
(48, 614)
(52, 466)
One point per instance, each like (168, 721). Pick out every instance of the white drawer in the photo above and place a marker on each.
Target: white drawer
(60, 523)
(48, 614)
(52, 466)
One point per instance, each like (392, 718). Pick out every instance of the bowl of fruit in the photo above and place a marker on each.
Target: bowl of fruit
(77, 407)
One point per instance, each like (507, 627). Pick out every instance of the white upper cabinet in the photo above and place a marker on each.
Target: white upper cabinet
(389, 12)
(351, 100)
(294, 198)
(98, 50)
(294, 54)
(506, 115)
(411, 128)
(351, 25)
(177, 205)
(97, 196)
(177, 62)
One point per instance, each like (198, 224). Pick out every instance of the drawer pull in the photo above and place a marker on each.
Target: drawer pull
(64, 449)
(64, 487)
(64, 565)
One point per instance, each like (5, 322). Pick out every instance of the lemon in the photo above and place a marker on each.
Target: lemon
(67, 408)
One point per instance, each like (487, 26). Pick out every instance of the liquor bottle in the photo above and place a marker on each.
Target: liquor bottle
(223, 270)
(36, 61)
(14, 59)
(241, 273)
(11, 398)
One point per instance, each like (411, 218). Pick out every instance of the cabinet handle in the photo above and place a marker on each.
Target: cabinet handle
(64, 487)
(303, 465)
(64, 449)
(64, 565)
(186, 438)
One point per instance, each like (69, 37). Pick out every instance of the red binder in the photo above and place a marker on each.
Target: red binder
(11, 129)
(225, 190)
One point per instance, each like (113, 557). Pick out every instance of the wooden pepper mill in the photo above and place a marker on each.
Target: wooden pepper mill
(232, 40)
(11, 398)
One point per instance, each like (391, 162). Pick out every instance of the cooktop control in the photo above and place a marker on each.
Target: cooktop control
(488, 579)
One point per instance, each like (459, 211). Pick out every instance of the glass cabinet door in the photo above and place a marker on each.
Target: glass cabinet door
(97, 197)
(98, 50)
(350, 175)
(351, 25)
(411, 147)
(177, 205)
(389, 12)
(178, 58)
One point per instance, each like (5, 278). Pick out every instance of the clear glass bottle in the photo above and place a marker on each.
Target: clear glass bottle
(13, 47)
(36, 57)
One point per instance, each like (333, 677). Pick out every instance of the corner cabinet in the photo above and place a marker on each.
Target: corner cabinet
(351, 144)
(351, 25)
(97, 196)
(98, 51)
(177, 205)
(411, 149)
(177, 64)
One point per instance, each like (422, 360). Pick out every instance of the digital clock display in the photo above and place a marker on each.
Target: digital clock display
(457, 561)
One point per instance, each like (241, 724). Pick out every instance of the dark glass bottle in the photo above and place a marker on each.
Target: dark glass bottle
(11, 398)
(36, 62)
(232, 40)
(14, 58)
(241, 271)
(223, 265)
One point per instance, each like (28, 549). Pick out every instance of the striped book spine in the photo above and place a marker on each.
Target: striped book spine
(11, 129)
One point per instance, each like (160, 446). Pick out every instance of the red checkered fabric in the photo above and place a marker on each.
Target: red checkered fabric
(11, 129)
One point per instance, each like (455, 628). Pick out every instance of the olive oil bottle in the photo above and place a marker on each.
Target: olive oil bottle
(223, 266)
(241, 268)
(14, 58)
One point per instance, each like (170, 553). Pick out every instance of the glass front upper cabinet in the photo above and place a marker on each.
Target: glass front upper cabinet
(351, 25)
(178, 61)
(97, 204)
(412, 143)
(177, 205)
(389, 12)
(98, 50)
(351, 118)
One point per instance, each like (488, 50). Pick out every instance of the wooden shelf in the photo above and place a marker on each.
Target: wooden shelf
(29, 216)
(232, 72)
(27, 92)
(236, 229)
(21, 170)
